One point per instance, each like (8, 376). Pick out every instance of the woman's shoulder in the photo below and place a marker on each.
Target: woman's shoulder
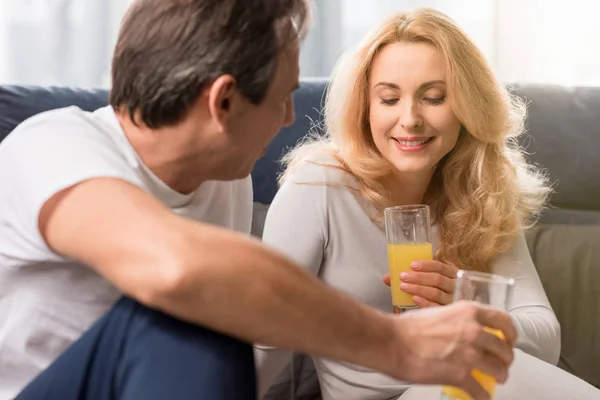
(323, 168)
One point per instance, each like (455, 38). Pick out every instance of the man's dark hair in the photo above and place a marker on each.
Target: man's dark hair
(169, 50)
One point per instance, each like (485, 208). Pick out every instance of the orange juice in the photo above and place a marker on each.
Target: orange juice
(400, 256)
(487, 382)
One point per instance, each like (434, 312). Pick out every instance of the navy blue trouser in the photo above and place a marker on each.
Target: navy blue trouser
(136, 353)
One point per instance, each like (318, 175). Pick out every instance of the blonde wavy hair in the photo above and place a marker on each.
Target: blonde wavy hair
(483, 193)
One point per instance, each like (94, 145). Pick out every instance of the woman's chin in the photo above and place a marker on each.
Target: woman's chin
(413, 168)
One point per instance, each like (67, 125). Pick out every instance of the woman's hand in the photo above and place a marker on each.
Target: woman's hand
(431, 283)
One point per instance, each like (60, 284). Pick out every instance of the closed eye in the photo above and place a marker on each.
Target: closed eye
(389, 102)
(435, 100)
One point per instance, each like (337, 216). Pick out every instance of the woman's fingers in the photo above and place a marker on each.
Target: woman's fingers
(431, 294)
(447, 270)
(430, 279)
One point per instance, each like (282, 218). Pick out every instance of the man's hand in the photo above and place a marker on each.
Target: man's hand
(443, 345)
(431, 283)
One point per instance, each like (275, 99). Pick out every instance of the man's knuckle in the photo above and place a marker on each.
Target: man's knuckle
(462, 375)
(471, 356)
(472, 332)
(468, 310)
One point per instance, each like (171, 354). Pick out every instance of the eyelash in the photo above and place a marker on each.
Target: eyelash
(435, 100)
(432, 101)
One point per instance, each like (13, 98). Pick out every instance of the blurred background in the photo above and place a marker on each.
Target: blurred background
(69, 42)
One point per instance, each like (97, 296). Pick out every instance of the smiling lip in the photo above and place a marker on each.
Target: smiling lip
(413, 143)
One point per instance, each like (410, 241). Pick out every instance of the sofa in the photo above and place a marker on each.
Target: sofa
(563, 137)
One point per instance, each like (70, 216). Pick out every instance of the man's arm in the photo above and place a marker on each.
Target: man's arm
(205, 274)
(232, 284)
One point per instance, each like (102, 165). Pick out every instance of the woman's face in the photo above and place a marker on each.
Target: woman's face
(411, 116)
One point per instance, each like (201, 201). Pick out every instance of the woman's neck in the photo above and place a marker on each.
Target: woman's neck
(409, 188)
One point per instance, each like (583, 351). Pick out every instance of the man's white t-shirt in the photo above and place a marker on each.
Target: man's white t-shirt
(47, 301)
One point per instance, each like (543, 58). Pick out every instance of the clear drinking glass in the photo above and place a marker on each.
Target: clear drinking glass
(493, 290)
(408, 231)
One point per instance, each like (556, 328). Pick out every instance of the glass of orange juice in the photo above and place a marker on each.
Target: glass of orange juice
(408, 231)
(493, 290)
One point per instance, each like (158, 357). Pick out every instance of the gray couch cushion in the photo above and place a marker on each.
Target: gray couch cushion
(567, 258)
(564, 137)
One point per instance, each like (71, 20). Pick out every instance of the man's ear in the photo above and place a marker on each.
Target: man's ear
(220, 98)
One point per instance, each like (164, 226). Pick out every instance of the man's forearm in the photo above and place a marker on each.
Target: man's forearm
(206, 274)
(235, 285)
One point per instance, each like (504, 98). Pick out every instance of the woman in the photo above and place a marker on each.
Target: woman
(415, 115)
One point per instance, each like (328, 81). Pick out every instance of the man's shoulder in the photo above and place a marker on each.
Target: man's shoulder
(60, 117)
(69, 130)
(52, 127)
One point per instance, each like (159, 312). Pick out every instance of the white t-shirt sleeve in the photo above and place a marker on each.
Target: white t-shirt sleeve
(536, 323)
(39, 159)
(296, 226)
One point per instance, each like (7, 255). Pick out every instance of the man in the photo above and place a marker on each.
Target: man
(142, 198)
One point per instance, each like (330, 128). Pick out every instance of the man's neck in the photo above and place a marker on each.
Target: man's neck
(168, 154)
